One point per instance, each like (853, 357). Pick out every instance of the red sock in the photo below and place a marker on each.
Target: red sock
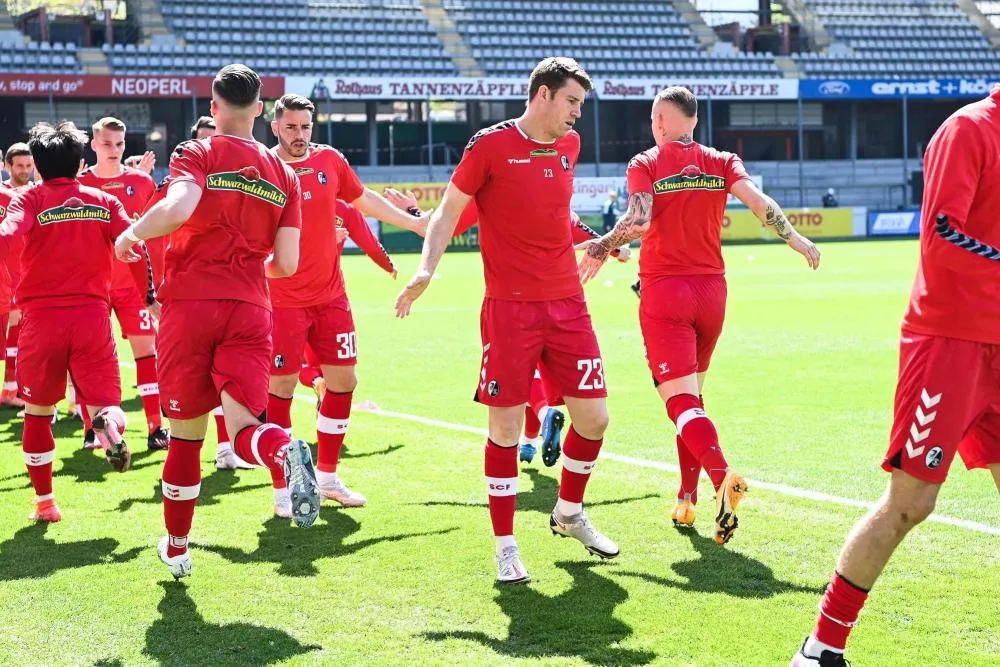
(537, 399)
(88, 423)
(10, 359)
(579, 459)
(699, 434)
(264, 445)
(690, 469)
(309, 374)
(331, 427)
(149, 390)
(39, 451)
(220, 426)
(181, 485)
(279, 411)
(501, 483)
(531, 424)
(838, 611)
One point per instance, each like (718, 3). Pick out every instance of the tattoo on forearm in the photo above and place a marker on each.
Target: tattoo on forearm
(777, 221)
(630, 226)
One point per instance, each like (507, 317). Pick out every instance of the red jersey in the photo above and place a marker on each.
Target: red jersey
(69, 235)
(956, 293)
(324, 176)
(247, 194)
(523, 189)
(6, 289)
(689, 184)
(133, 188)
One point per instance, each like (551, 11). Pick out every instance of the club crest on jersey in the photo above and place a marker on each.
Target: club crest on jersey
(690, 177)
(248, 181)
(130, 191)
(304, 171)
(74, 209)
(543, 152)
(564, 161)
(321, 177)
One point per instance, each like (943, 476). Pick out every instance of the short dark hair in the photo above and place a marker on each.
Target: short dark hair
(19, 149)
(681, 97)
(237, 85)
(57, 151)
(292, 102)
(201, 124)
(554, 73)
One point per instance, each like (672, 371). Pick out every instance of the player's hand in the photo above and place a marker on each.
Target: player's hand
(412, 292)
(156, 309)
(394, 273)
(420, 226)
(592, 261)
(624, 254)
(806, 248)
(124, 251)
(341, 235)
(147, 162)
(404, 200)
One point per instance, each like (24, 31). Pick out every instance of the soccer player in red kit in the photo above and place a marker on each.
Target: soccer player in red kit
(133, 188)
(948, 390)
(520, 173)
(232, 213)
(677, 201)
(69, 232)
(21, 167)
(6, 289)
(312, 306)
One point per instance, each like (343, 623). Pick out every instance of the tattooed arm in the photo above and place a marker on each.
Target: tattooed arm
(771, 216)
(630, 227)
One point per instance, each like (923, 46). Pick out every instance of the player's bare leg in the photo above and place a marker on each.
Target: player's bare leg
(39, 449)
(331, 426)
(181, 485)
(589, 421)
(144, 353)
(906, 502)
(501, 484)
(696, 430)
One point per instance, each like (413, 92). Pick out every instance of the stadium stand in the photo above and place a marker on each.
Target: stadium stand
(44, 58)
(898, 39)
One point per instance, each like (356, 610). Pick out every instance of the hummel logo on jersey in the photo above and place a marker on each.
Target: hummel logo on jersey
(691, 177)
(249, 182)
(664, 369)
(26, 391)
(514, 160)
(175, 405)
(920, 430)
(74, 210)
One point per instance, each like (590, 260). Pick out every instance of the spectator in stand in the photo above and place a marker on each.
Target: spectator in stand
(830, 199)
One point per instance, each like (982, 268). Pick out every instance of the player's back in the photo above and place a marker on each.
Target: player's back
(522, 191)
(247, 193)
(690, 184)
(957, 292)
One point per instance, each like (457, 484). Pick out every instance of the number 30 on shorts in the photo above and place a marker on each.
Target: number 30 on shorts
(592, 373)
(348, 345)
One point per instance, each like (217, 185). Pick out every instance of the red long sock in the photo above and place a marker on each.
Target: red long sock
(501, 483)
(839, 611)
(331, 427)
(537, 399)
(39, 450)
(279, 411)
(181, 485)
(264, 445)
(10, 359)
(699, 434)
(88, 423)
(149, 390)
(220, 427)
(579, 459)
(531, 424)
(690, 469)
(308, 375)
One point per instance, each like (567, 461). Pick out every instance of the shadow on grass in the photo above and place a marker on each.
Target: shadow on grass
(181, 636)
(578, 623)
(296, 551)
(719, 569)
(215, 485)
(29, 554)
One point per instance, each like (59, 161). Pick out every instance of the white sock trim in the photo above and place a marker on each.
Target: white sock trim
(174, 492)
(814, 648)
(568, 508)
(331, 426)
(152, 389)
(217, 412)
(10, 386)
(687, 416)
(35, 459)
(577, 466)
(501, 486)
(504, 541)
(255, 441)
(47, 496)
(11, 351)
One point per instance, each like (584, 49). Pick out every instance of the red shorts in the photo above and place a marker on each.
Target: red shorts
(947, 401)
(681, 320)
(550, 389)
(211, 345)
(329, 330)
(557, 336)
(76, 340)
(130, 309)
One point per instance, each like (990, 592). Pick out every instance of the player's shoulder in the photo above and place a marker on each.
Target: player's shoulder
(138, 176)
(92, 195)
(191, 147)
(493, 134)
(645, 158)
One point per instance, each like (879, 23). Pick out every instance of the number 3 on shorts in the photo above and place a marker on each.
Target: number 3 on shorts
(348, 345)
(593, 373)
(145, 320)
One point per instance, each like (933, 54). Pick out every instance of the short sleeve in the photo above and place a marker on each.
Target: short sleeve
(189, 162)
(351, 187)
(735, 171)
(291, 215)
(953, 165)
(639, 175)
(473, 170)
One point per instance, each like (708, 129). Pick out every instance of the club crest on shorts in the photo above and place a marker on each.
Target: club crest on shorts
(321, 177)
(934, 457)
(279, 361)
(493, 388)
(564, 161)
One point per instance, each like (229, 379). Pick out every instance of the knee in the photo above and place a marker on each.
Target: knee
(907, 512)
(342, 383)
(593, 425)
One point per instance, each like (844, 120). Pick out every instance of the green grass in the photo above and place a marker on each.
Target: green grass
(801, 391)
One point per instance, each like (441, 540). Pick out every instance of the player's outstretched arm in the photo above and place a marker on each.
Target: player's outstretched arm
(770, 215)
(373, 204)
(160, 220)
(439, 232)
(584, 235)
(284, 261)
(630, 227)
